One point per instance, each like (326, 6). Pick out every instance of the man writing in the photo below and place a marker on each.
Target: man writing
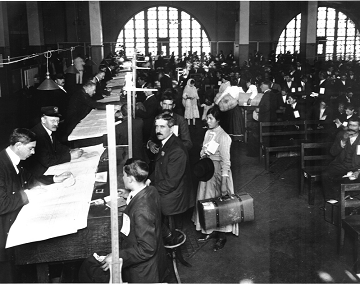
(14, 194)
(49, 151)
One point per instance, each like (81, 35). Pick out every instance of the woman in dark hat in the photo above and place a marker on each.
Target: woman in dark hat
(216, 146)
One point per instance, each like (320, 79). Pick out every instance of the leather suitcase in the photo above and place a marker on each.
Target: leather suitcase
(222, 211)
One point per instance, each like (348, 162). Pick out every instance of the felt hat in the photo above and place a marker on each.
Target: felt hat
(50, 111)
(204, 169)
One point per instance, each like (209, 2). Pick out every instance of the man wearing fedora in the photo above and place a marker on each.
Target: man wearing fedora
(49, 151)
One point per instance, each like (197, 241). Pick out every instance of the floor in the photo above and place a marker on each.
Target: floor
(288, 242)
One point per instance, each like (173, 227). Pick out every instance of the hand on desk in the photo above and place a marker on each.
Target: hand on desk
(76, 153)
(62, 177)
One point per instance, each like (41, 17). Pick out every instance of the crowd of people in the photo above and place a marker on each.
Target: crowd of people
(190, 89)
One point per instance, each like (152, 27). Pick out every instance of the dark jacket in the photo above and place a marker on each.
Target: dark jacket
(172, 177)
(80, 105)
(267, 107)
(47, 153)
(142, 251)
(12, 196)
(340, 153)
(148, 115)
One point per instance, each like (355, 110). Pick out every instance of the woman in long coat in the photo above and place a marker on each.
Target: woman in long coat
(221, 182)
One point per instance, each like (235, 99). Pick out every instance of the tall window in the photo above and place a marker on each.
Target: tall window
(163, 29)
(337, 36)
(290, 37)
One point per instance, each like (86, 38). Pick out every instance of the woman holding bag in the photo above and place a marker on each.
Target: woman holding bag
(216, 146)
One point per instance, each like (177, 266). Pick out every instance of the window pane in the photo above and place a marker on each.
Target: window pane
(162, 15)
(140, 16)
(152, 24)
(152, 33)
(185, 24)
(185, 15)
(320, 32)
(129, 25)
(341, 24)
(322, 13)
(139, 24)
(331, 14)
(163, 33)
(329, 48)
(152, 14)
(351, 32)
(185, 33)
(341, 32)
(290, 33)
(330, 32)
(173, 14)
(163, 24)
(129, 33)
(330, 24)
(195, 24)
(173, 33)
(196, 33)
(140, 33)
(321, 23)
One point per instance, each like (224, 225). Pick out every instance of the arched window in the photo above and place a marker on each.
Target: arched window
(337, 36)
(164, 29)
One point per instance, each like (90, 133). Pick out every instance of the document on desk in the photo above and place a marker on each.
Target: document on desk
(56, 210)
(93, 125)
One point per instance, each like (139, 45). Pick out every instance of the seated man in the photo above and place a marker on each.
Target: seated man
(346, 150)
(49, 151)
(141, 244)
(15, 183)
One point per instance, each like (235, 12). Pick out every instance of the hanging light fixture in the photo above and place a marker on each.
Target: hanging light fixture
(48, 84)
(71, 69)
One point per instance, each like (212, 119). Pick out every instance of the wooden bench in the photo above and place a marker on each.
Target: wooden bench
(286, 136)
(314, 158)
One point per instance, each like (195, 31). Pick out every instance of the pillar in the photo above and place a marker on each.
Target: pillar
(4, 47)
(243, 32)
(96, 35)
(308, 46)
(35, 25)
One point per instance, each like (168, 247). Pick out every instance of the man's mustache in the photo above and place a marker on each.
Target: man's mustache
(158, 133)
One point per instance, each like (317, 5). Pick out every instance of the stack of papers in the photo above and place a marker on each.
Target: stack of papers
(57, 210)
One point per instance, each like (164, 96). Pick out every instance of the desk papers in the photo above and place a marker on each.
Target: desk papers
(93, 125)
(56, 210)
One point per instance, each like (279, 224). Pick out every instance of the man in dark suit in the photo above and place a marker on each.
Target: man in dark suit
(80, 104)
(141, 244)
(345, 150)
(289, 85)
(148, 112)
(14, 191)
(101, 89)
(172, 176)
(165, 80)
(141, 83)
(294, 110)
(181, 128)
(49, 151)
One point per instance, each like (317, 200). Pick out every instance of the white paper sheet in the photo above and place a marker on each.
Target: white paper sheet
(56, 210)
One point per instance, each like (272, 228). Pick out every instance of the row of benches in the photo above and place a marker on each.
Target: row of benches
(287, 136)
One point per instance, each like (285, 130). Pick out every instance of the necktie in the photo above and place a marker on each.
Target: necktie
(52, 141)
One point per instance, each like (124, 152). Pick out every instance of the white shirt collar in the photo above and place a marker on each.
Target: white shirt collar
(62, 88)
(49, 132)
(132, 195)
(149, 96)
(15, 159)
(166, 139)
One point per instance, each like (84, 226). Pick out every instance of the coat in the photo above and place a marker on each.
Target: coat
(172, 177)
(148, 115)
(12, 196)
(47, 153)
(142, 251)
(340, 153)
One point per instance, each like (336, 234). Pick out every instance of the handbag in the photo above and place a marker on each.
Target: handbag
(227, 103)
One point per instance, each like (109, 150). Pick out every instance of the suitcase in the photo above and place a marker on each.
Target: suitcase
(221, 211)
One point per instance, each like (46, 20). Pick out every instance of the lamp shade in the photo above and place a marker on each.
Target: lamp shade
(71, 69)
(48, 85)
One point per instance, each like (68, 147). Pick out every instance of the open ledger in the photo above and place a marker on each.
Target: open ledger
(61, 208)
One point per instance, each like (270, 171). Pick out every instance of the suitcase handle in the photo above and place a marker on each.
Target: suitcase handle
(225, 197)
